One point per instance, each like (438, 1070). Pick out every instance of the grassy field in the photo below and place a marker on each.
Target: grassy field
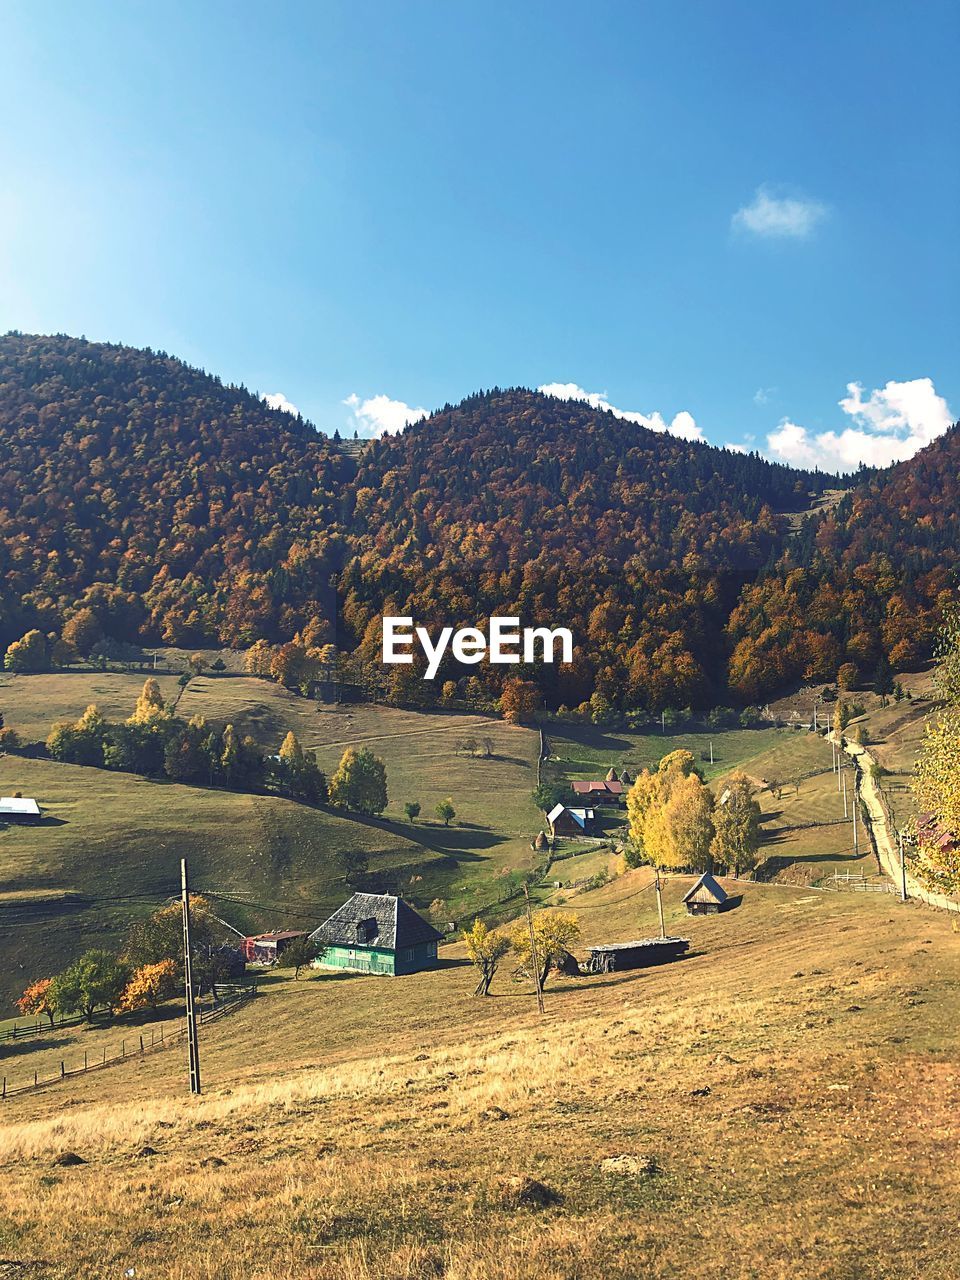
(780, 1104)
(584, 751)
(110, 835)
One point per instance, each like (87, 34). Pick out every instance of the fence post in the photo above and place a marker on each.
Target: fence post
(63, 1070)
(141, 1044)
(84, 1059)
(4, 1086)
(123, 1048)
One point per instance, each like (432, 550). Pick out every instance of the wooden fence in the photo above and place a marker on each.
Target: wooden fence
(136, 1045)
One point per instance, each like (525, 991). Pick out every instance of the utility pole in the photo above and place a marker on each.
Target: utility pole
(534, 959)
(711, 751)
(192, 1041)
(663, 722)
(663, 928)
(845, 812)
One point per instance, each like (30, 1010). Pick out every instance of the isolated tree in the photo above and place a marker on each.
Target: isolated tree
(847, 676)
(259, 658)
(94, 981)
(520, 701)
(159, 937)
(485, 948)
(412, 810)
(149, 985)
(554, 933)
(299, 955)
(83, 631)
(883, 679)
(445, 811)
(360, 782)
(150, 706)
(35, 1000)
(29, 653)
(668, 814)
(293, 667)
(841, 718)
(736, 822)
(197, 663)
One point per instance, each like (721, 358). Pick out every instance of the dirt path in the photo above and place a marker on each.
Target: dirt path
(885, 841)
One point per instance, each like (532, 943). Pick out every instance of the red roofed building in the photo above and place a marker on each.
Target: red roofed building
(611, 791)
(264, 948)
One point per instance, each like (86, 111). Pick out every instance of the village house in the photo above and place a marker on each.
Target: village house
(567, 821)
(18, 809)
(376, 933)
(707, 897)
(266, 948)
(607, 790)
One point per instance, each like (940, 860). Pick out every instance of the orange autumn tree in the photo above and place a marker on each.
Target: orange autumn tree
(150, 985)
(520, 701)
(36, 999)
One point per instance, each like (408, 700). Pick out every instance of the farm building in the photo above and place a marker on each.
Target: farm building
(565, 821)
(18, 809)
(932, 834)
(615, 956)
(610, 790)
(266, 948)
(707, 897)
(377, 933)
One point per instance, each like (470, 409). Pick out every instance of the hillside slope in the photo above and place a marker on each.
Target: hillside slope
(181, 511)
(781, 1104)
(867, 583)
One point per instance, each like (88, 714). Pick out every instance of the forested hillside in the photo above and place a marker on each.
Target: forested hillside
(142, 501)
(868, 583)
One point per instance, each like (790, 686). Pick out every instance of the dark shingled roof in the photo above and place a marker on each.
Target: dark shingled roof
(375, 920)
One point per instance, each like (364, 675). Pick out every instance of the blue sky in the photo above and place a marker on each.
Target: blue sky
(727, 212)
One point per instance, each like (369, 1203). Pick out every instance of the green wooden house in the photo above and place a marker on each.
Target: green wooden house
(376, 933)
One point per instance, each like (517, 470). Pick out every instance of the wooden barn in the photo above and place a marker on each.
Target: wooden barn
(19, 809)
(707, 897)
(607, 790)
(377, 933)
(567, 821)
(612, 957)
(266, 948)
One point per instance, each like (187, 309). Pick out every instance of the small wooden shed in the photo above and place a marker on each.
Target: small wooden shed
(707, 897)
(611, 957)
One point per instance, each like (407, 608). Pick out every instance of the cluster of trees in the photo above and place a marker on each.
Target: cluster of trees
(937, 780)
(155, 742)
(147, 971)
(555, 933)
(675, 821)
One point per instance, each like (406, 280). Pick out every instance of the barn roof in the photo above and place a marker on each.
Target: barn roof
(17, 804)
(640, 942)
(607, 786)
(707, 889)
(277, 935)
(375, 920)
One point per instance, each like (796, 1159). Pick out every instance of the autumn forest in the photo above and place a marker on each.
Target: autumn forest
(145, 502)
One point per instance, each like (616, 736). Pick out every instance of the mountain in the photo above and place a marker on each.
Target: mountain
(868, 583)
(166, 507)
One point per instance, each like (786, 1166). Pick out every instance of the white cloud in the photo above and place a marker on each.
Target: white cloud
(773, 216)
(682, 424)
(891, 425)
(279, 401)
(763, 395)
(736, 448)
(371, 418)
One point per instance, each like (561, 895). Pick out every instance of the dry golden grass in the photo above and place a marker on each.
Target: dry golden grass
(794, 1080)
